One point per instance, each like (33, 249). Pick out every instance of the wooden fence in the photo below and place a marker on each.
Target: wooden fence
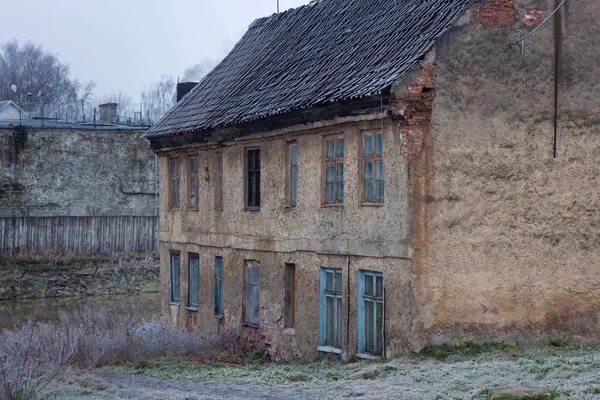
(85, 235)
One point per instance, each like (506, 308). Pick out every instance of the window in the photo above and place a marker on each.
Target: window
(175, 182)
(334, 170)
(219, 183)
(253, 178)
(292, 174)
(372, 168)
(174, 281)
(193, 277)
(193, 183)
(330, 308)
(218, 286)
(370, 312)
(252, 301)
(289, 283)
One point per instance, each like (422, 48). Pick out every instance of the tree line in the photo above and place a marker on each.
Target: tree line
(42, 87)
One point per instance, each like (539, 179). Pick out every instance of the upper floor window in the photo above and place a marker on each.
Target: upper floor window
(372, 168)
(292, 174)
(334, 170)
(193, 182)
(219, 183)
(253, 178)
(175, 172)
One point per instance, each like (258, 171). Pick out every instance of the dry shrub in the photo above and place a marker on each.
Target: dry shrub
(35, 354)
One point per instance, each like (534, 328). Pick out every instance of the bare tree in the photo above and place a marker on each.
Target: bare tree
(159, 98)
(32, 70)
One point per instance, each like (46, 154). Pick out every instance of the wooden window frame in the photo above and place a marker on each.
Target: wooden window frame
(247, 206)
(288, 176)
(189, 305)
(373, 158)
(289, 296)
(338, 317)
(171, 286)
(336, 161)
(174, 177)
(219, 181)
(218, 287)
(252, 323)
(361, 314)
(191, 177)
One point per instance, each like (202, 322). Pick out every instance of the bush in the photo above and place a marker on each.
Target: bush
(37, 353)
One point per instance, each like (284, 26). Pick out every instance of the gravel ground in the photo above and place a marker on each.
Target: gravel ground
(573, 371)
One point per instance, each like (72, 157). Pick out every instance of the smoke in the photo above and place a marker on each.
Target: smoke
(198, 71)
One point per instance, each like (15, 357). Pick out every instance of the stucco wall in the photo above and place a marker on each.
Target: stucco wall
(310, 235)
(75, 172)
(509, 243)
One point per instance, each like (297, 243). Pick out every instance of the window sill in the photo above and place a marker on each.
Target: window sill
(251, 325)
(251, 208)
(329, 349)
(193, 208)
(373, 204)
(289, 331)
(195, 309)
(174, 208)
(332, 204)
(366, 356)
(175, 303)
(218, 316)
(218, 208)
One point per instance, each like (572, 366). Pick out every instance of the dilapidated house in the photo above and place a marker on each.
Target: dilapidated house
(357, 178)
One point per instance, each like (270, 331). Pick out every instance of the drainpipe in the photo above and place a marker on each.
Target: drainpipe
(557, 39)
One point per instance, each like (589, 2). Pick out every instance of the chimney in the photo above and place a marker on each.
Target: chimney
(184, 88)
(109, 112)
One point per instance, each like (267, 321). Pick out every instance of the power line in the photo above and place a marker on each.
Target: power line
(540, 25)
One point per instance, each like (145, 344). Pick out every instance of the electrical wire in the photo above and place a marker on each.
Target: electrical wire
(540, 25)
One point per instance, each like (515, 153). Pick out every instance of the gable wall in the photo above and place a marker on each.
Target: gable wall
(506, 238)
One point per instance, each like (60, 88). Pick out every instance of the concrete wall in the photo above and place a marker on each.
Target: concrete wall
(310, 235)
(75, 172)
(507, 239)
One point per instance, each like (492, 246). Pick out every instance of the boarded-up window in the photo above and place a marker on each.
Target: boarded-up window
(292, 174)
(219, 183)
(218, 286)
(174, 278)
(193, 182)
(175, 184)
(370, 312)
(330, 304)
(252, 306)
(193, 281)
(252, 178)
(333, 184)
(290, 295)
(372, 168)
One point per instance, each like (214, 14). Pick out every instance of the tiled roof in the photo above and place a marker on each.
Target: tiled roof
(326, 51)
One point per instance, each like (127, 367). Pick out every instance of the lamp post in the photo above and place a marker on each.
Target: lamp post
(14, 89)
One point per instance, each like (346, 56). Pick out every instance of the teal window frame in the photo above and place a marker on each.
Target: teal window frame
(218, 298)
(374, 299)
(193, 295)
(175, 278)
(372, 170)
(330, 326)
(333, 169)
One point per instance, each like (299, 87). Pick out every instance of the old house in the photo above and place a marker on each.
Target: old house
(361, 177)
(9, 110)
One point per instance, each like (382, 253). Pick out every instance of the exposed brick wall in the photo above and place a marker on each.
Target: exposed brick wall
(531, 17)
(493, 12)
(269, 334)
(414, 117)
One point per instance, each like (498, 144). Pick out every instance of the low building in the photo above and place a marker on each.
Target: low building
(9, 110)
(356, 179)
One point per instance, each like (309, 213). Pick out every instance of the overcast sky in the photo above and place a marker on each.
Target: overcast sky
(128, 44)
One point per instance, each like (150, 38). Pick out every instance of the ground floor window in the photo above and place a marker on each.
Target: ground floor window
(218, 286)
(174, 281)
(370, 312)
(252, 303)
(330, 308)
(193, 278)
